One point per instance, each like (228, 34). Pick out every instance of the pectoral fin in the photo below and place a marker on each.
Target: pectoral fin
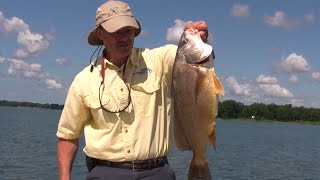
(218, 88)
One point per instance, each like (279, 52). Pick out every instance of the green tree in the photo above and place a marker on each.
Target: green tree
(231, 109)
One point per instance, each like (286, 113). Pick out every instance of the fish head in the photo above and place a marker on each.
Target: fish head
(194, 49)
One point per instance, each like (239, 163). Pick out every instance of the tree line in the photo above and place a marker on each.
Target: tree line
(30, 104)
(228, 109)
(231, 109)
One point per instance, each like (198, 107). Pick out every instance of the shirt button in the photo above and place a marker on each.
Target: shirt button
(126, 131)
(128, 151)
(121, 89)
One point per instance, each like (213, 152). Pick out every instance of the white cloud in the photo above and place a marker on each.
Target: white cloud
(240, 11)
(20, 68)
(53, 84)
(238, 89)
(315, 102)
(295, 63)
(269, 85)
(61, 61)
(174, 32)
(14, 25)
(1, 18)
(293, 79)
(309, 18)
(266, 90)
(31, 71)
(297, 102)
(280, 20)
(263, 79)
(275, 90)
(316, 76)
(31, 43)
(21, 53)
(2, 59)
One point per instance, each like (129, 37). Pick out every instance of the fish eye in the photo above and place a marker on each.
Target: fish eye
(185, 41)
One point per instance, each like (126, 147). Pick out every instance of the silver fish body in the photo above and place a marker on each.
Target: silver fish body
(195, 89)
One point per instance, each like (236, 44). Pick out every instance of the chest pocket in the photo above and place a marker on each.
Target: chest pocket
(145, 93)
(100, 118)
(93, 100)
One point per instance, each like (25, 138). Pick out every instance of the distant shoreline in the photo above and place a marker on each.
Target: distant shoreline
(30, 105)
(276, 121)
(226, 112)
(317, 123)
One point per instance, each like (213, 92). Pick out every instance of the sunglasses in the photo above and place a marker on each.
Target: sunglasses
(106, 109)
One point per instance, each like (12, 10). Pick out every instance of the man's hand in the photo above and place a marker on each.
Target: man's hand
(201, 26)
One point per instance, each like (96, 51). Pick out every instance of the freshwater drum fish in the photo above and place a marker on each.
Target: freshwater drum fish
(195, 89)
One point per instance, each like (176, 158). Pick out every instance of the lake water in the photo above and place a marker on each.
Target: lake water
(245, 150)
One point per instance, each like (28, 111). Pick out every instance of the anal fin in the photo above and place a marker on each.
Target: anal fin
(212, 135)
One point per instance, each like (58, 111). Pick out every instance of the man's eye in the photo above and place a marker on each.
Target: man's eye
(130, 30)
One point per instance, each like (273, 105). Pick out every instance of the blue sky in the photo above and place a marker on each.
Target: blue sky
(266, 51)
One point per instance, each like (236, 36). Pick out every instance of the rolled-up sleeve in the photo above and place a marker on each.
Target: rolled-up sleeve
(74, 114)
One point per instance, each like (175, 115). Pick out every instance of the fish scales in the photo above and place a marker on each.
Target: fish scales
(195, 89)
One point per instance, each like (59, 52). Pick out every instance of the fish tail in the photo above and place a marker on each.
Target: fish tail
(199, 169)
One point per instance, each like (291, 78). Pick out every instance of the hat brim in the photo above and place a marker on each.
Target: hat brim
(113, 25)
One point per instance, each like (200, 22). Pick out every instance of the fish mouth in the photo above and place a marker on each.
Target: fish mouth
(196, 51)
(201, 62)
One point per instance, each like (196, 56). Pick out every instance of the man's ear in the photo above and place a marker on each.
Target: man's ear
(98, 32)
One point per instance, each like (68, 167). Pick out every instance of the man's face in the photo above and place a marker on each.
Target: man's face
(118, 44)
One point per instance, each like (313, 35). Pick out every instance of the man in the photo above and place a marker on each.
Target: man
(122, 101)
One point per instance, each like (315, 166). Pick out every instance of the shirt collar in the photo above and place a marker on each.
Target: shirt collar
(133, 57)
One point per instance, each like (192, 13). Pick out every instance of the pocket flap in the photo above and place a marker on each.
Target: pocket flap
(148, 83)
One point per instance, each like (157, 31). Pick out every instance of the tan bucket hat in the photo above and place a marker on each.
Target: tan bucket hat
(112, 16)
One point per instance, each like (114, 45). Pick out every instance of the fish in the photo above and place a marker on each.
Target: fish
(195, 90)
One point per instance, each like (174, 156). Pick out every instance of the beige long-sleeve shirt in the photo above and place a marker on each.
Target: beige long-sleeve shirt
(139, 132)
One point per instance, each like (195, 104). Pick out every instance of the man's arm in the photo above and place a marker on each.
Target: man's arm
(66, 151)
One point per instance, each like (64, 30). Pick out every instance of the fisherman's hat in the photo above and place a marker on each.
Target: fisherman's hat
(112, 16)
